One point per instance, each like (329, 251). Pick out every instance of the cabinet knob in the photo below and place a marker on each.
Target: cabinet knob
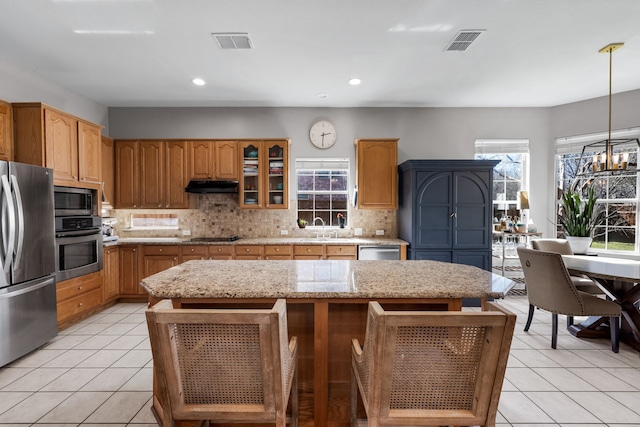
(160, 250)
(308, 250)
(135, 206)
(192, 249)
(277, 249)
(219, 249)
(159, 205)
(247, 249)
(134, 250)
(80, 304)
(175, 259)
(79, 288)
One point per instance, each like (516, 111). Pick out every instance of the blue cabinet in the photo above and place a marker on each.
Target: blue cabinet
(445, 210)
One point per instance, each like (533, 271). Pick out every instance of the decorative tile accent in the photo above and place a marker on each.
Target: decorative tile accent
(218, 215)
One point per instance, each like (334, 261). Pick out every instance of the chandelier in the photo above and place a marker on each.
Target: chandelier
(612, 155)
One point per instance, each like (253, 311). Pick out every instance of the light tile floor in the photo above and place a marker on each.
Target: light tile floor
(97, 373)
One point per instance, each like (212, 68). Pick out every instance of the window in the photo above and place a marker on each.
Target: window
(323, 190)
(617, 193)
(510, 176)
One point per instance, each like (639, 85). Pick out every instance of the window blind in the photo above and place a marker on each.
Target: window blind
(502, 146)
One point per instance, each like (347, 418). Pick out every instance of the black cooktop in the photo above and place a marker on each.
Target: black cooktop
(215, 239)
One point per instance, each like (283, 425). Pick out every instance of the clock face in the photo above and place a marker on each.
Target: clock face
(323, 134)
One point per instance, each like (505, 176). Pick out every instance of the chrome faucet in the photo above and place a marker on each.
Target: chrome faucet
(322, 221)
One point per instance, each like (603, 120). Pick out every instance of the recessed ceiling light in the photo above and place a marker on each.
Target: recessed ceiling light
(355, 81)
(198, 81)
(322, 95)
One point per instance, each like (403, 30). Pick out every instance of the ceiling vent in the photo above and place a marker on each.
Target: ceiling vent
(233, 40)
(463, 40)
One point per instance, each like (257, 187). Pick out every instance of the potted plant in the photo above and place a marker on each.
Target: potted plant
(301, 223)
(579, 219)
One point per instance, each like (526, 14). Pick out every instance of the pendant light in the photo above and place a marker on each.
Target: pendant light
(610, 157)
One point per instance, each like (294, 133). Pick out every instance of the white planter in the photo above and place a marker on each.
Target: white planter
(579, 245)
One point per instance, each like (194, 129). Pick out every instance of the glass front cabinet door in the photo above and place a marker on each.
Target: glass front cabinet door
(265, 174)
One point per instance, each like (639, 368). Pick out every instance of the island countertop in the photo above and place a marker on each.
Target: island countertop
(325, 279)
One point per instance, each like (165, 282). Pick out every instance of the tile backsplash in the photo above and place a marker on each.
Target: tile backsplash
(218, 215)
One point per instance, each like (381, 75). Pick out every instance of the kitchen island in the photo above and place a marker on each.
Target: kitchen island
(326, 308)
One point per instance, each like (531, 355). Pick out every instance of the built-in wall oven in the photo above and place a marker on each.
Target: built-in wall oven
(78, 233)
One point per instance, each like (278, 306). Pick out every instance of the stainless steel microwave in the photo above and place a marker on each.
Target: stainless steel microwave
(69, 201)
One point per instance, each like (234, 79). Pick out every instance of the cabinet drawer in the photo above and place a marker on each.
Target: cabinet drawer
(161, 250)
(194, 250)
(277, 250)
(248, 250)
(78, 286)
(341, 250)
(308, 250)
(79, 304)
(220, 250)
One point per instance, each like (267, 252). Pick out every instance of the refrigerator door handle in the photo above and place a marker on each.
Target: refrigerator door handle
(16, 189)
(11, 217)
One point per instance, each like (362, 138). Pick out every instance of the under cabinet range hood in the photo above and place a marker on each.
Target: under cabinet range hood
(211, 186)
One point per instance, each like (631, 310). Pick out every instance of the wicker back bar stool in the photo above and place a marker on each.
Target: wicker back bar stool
(431, 368)
(224, 365)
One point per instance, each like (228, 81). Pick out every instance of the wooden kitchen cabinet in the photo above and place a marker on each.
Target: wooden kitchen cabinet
(278, 252)
(264, 178)
(110, 273)
(342, 252)
(220, 252)
(151, 174)
(377, 173)
(108, 168)
(69, 145)
(152, 177)
(78, 298)
(6, 131)
(89, 152)
(308, 251)
(248, 252)
(176, 175)
(127, 191)
(157, 258)
(201, 252)
(193, 252)
(213, 160)
(129, 272)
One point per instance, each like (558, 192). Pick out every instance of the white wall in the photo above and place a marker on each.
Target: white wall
(19, 85)
(425, 133)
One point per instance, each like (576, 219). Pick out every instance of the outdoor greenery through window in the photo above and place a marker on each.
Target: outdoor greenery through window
(323, 190)
(509, 176)
(617, 195)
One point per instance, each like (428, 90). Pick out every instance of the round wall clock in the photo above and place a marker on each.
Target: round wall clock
(323, 134)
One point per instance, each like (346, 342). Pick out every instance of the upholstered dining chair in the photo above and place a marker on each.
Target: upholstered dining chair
(563, 247)
(224, 365)
(431, 368)
(550, 288)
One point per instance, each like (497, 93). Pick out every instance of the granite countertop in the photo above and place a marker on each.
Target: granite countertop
(325, 279)
(267, 241)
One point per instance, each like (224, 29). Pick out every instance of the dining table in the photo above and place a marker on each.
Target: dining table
(619, 279)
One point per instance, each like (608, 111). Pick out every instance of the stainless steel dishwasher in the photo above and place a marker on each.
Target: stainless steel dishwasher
(378, 252)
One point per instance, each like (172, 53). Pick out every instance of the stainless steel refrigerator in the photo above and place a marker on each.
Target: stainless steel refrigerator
(27, 258)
